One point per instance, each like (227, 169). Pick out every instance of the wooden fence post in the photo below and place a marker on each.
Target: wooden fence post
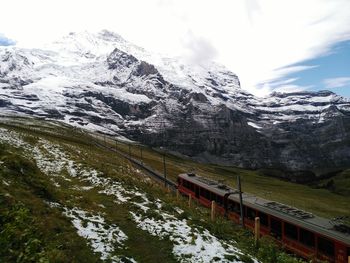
(257, 230)
(213, 207)
(189, 200)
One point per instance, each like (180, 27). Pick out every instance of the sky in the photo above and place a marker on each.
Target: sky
(285, 45)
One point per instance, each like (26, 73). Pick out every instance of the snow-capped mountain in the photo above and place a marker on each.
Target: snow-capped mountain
(102, 82)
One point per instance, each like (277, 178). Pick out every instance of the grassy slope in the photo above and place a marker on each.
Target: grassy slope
(29, 189)
(339, 183)
(31, 231)
(317, 200)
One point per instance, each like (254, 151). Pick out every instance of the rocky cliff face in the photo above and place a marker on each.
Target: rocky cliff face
(102, 82)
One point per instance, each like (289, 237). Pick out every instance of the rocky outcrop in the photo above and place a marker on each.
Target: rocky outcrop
(200, 112)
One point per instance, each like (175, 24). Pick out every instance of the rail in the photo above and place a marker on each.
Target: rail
(155, 174)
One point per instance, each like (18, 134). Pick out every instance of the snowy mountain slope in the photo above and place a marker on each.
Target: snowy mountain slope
(102, 82)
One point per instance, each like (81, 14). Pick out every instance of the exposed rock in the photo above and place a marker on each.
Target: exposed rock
(198, 111)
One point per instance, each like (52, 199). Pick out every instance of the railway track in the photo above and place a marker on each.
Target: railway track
(150, 171)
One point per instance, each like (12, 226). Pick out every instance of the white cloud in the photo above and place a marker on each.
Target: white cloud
(199, 49)
(283, 82)
(337, 82)
(292, 88)
(257, 39)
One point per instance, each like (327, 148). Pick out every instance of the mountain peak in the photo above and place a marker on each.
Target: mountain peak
(105, 35)
(102, 82)
(87, 44)
(110, 36)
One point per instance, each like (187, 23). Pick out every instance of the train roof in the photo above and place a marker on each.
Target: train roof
(291, 214)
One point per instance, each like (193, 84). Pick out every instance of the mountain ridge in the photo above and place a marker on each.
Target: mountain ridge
(102, 82)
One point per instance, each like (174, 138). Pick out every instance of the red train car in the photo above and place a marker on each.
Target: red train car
(300, 232)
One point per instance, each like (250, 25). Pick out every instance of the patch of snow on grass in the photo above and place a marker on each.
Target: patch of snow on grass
(85, 188)
(52, 160)
(190, 244)
(5, 182)
(102, 237)
(12, 138)
(178, 210)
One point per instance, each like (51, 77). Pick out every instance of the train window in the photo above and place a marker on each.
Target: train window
(276, 227)
(307, 238)
(251, 213)
(290, 231)
(325, 246)
(219, 200)
(212, 196)
(264, 219)
(188, 185)
(205, 193)
(233, 206)
(197, 190)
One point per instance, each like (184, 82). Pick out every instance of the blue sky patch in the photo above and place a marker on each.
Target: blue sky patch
(332, 71)
(4, 41)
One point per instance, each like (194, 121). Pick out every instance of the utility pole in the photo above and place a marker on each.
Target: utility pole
(241, 219)
(164, 170)
(141, 154)
(163, 148)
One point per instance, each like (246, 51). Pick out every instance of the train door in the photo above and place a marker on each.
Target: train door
(276, 227)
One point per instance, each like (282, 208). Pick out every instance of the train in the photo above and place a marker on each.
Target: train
(302, 233)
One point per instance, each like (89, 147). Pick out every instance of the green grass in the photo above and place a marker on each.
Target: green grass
(29, 190)
(320, 201)
(338, 184)
(31, 231)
